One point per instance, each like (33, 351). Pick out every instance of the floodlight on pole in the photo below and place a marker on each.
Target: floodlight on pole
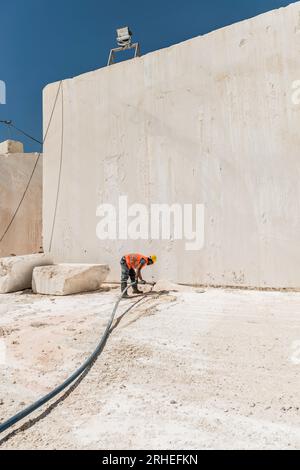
(124, 41)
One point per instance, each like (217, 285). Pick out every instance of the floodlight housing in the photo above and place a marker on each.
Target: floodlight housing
(124, 36)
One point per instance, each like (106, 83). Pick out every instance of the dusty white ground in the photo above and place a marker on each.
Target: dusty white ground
(192, 370)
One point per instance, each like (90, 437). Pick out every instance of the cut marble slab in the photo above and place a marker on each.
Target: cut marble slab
(68, 278)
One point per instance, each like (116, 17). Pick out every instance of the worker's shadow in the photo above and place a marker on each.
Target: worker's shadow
(29, 424)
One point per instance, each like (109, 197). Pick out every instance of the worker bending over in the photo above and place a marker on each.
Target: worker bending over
(131, 266)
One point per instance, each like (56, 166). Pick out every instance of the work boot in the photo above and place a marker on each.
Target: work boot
(123, 287)
(136, 290)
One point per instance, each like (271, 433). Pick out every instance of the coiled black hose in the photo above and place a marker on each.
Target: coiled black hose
(30, 409)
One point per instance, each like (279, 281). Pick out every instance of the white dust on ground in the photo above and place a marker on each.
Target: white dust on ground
(192, 370)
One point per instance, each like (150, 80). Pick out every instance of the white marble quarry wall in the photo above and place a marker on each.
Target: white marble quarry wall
(25, 234)
(214, 120)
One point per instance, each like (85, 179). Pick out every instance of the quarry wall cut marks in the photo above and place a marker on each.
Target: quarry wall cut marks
(211, 121)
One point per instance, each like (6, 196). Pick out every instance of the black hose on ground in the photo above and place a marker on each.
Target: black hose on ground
(30, 409)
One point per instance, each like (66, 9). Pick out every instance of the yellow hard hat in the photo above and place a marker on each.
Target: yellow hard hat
(154, 258)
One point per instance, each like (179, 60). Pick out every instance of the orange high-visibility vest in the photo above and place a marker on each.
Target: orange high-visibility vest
(134, 260)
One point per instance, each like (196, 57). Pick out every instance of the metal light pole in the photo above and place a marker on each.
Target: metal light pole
(124, 41)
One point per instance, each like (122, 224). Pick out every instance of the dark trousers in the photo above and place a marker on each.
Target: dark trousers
(126, 272)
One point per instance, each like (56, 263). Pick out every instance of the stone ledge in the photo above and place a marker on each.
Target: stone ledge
(11, 146)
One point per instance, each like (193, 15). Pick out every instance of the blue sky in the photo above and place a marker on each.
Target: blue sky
(47, 40)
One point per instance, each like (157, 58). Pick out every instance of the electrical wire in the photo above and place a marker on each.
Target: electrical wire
(60, 169)
(34, 167)
(10, 124)
(26, 135)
